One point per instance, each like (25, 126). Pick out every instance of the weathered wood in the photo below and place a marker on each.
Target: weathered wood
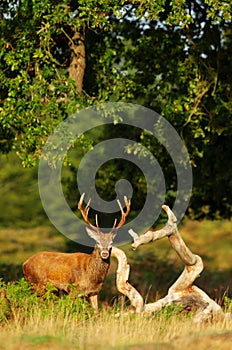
(170, 230)
(182, 292)
(122, 283)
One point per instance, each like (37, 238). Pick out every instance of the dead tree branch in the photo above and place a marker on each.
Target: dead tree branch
(122, 283)
(182, 292)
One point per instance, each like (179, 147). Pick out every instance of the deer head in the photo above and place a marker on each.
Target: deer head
(104, 241)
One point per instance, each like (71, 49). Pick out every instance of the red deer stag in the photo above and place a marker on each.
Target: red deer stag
(86, 272)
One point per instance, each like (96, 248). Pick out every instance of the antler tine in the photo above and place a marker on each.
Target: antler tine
(115, 221)
(85, 213)
(124, 214)
(96, 220)
(81, 200)
(87, 207)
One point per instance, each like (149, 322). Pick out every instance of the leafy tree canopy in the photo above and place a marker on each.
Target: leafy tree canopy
(174, 57)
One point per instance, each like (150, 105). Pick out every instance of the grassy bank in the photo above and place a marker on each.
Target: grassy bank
(109, 333)
(28, 321)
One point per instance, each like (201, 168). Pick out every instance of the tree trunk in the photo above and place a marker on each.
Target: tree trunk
(77, 65)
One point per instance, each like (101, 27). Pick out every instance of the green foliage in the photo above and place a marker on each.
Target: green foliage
(18, 291)
(228, 304)
(20, 299)
(169, 311)
(183, 73)
(173, 57)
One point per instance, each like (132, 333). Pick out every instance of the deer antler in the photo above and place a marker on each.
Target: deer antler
(85, 213)
(124, 214)
(96, 228)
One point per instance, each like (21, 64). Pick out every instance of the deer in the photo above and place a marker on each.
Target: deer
(77, 272)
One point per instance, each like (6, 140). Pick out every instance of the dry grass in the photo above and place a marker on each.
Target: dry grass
(109, 332)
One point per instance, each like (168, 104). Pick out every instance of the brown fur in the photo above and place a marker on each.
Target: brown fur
(86, 272)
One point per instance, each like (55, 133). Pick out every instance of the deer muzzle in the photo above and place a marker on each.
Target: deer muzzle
(105, 254)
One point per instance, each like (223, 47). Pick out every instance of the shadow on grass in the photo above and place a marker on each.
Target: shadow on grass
(10, 272)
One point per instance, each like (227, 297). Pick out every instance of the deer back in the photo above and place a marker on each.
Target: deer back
(86, 271)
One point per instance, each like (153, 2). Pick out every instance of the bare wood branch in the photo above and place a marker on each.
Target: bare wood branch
(188, 276)
(133, 234)
(122, 283)
(170, 230)
(193, 299)
(182, 292)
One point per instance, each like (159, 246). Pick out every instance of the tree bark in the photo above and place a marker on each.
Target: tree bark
(78, 62)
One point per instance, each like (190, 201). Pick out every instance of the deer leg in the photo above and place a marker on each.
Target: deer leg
(93, 299)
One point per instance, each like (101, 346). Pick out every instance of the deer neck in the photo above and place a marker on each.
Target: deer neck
(97, 264)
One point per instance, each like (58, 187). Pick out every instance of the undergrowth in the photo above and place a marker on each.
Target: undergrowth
(28, 320)
(19, 301)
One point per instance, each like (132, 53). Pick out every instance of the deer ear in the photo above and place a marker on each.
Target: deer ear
(93, 234)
